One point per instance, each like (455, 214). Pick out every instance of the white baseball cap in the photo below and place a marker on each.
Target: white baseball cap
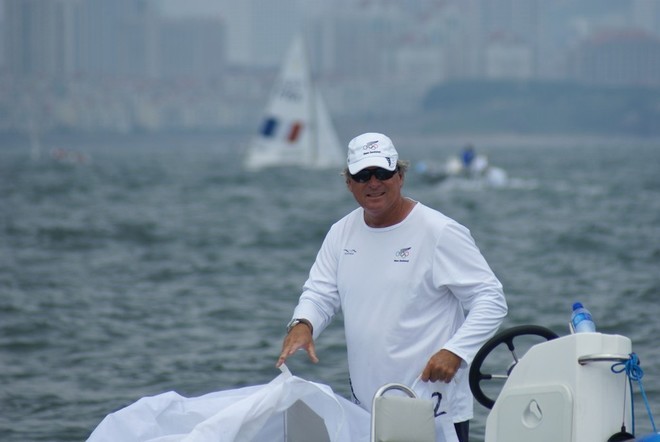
(371, 150)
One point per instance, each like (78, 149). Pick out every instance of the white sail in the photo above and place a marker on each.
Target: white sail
(296, 129)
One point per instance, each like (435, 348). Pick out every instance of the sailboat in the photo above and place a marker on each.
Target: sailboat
(296, 129)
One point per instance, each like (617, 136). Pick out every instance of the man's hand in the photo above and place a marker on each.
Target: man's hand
(441, 367)
(300, 337)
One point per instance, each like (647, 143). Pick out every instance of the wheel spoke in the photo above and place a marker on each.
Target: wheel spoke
(504, 337)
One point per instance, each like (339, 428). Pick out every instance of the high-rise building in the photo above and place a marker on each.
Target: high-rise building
(618, 57)
(510, 29)
(57, 38)
(271, 26)
(646, 15)
(114, 37)
(39, 37)
(193, 48)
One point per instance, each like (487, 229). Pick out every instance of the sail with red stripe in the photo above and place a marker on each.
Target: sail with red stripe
(296, 129)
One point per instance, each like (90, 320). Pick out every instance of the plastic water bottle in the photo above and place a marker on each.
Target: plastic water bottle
(581, 319)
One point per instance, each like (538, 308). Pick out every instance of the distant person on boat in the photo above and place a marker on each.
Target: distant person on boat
(467, 156)
(404, 276)
(473, 164)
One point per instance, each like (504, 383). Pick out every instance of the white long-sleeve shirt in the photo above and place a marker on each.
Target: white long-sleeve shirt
(403, 291)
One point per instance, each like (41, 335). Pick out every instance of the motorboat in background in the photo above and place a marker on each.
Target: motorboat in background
(466, 166)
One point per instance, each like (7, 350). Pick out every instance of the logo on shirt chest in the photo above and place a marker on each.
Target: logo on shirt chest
(402, 255)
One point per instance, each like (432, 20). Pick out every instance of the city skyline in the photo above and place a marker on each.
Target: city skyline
(258, 32)
(127, 64)
(238, 16)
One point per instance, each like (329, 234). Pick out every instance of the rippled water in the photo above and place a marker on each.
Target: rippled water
(159, 265)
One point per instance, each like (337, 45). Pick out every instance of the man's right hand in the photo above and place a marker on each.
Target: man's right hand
(300, 337)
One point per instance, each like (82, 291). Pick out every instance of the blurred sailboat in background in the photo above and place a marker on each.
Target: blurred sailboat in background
(296, 129)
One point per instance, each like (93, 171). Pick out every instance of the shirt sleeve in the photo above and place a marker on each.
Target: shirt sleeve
(320, 301)
(460, 266)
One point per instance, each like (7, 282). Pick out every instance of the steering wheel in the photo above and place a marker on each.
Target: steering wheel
(503, 337)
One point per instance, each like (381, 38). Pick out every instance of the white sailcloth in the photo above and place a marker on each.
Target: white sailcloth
(296, 129)
(249, 414)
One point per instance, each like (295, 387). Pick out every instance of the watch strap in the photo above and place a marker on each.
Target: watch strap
(296, 321)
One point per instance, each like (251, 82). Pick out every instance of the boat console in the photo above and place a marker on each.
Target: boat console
(561, 390)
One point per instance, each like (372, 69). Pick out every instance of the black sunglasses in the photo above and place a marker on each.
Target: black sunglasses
(381, 174)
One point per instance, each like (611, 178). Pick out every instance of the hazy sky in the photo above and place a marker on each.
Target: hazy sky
(197, 7)
(224, 8)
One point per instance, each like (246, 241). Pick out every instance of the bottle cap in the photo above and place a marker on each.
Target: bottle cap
(577, 305)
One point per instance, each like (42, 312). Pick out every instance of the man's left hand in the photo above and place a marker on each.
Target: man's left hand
(441, 367)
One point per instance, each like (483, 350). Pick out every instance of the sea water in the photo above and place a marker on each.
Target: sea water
(157, 264)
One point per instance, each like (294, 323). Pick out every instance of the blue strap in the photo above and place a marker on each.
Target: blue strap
(634, 372)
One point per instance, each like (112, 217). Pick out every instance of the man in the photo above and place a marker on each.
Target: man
(467, 156)
(403, 274)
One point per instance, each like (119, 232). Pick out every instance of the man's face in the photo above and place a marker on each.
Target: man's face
(377, 196)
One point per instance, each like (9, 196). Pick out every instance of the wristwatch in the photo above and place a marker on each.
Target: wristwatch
(296, 321)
